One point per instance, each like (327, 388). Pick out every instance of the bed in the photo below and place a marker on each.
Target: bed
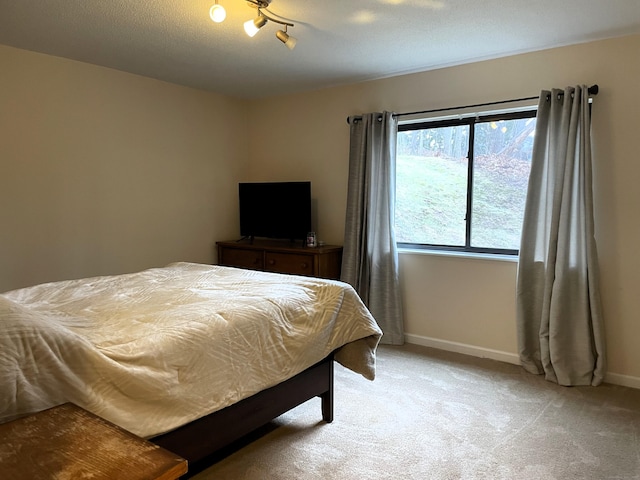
(191, 356)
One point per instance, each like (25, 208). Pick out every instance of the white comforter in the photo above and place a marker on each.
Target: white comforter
(153, 350)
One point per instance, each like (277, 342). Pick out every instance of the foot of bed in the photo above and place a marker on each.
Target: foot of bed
(327, 398)
(327, 406)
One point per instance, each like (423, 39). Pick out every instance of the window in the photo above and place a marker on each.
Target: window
(461, 184)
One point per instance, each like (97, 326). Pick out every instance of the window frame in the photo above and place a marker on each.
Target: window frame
(469, 120)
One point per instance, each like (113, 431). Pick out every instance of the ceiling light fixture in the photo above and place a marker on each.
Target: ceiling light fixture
(285, 38)
(251, 27)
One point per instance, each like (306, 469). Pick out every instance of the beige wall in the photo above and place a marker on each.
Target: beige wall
(105, 172)
(463, 303)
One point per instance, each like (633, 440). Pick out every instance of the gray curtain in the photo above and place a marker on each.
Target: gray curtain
(559, 313)
(370, 258)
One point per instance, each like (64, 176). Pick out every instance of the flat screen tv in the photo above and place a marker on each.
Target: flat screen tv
(279, 210)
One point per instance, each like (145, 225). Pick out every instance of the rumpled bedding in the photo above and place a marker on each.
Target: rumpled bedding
(153, 350)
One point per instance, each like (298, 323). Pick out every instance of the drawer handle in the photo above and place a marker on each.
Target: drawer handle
(272, 262)
(304, 265)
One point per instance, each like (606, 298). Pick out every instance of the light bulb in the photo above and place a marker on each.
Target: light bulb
(250, 28)
(217, 13)
(253, 26)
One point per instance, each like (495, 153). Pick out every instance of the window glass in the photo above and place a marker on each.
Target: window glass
(431, 185)
(502, 162)
(461, 184)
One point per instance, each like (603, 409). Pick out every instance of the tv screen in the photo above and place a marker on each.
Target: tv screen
(275, 209)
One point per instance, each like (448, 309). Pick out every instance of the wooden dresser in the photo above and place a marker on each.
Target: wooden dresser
(282, 257)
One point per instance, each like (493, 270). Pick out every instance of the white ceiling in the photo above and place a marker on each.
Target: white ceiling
(339, 41)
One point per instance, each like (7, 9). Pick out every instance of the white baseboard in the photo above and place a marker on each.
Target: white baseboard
(463, 348)
(623, 380)
(613, 378)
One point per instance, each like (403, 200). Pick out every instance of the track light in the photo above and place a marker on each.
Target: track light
(217, 13)
(285, 38)
(251, 27)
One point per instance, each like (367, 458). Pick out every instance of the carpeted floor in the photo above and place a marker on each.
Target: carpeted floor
(438, 415)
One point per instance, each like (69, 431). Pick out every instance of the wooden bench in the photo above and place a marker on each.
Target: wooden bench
(67, 442)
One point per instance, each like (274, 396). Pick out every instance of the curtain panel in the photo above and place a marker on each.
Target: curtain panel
(370, 256)
(559, 312)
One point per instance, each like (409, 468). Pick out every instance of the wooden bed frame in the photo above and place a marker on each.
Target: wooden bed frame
(208, 435)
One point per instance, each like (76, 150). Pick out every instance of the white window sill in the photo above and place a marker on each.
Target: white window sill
(447, 253)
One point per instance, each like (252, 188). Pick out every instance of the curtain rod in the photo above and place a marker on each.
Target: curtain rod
(593, 90)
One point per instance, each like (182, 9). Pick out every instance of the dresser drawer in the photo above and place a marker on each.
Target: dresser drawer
(293, 263)
(237, 257)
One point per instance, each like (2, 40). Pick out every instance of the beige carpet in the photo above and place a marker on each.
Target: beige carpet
(436, 415)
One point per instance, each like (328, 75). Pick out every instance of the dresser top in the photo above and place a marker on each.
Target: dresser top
(279, 245)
